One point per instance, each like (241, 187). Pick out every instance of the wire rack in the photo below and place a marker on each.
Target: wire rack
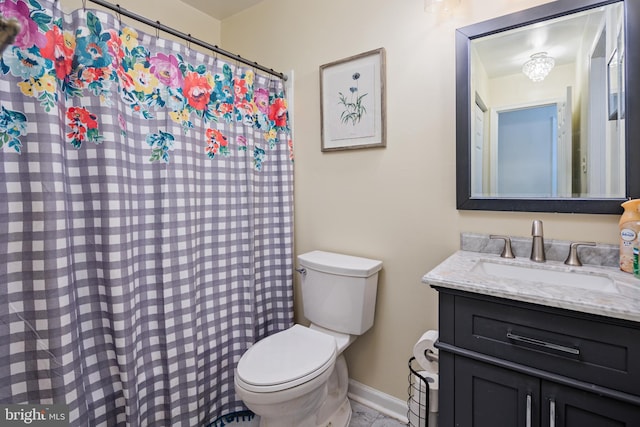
(418, 402)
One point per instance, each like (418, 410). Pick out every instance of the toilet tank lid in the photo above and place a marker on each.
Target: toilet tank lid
(344, 265)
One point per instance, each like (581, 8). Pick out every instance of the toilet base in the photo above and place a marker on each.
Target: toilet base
(340, 418)
(336, 410)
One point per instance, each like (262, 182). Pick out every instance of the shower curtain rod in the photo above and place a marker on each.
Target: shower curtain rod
(156, 24)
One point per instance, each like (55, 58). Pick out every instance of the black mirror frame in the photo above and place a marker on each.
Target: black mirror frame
(556, 9)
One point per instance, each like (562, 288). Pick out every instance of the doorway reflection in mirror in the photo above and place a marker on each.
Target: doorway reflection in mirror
(556, 137)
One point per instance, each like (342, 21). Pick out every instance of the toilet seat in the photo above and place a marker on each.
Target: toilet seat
(286, 359)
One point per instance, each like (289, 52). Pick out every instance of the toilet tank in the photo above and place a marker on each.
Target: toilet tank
(339, 291)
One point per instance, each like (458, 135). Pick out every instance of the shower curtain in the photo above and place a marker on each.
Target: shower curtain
(145, 220)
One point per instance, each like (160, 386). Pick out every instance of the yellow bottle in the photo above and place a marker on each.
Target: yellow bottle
(629, 228)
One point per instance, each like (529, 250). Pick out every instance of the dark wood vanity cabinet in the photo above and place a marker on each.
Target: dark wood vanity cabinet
(505, 363)
(487, 395)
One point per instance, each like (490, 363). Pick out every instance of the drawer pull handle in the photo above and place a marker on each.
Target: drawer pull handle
(552, 413)
(545, 344)
(528, 410)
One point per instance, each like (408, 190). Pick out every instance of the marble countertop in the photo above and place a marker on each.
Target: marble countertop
(457, 272)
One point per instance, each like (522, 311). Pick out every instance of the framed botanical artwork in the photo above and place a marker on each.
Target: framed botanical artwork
(353, 102)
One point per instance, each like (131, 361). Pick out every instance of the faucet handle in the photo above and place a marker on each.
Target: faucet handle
(572, 258)
(506, 251)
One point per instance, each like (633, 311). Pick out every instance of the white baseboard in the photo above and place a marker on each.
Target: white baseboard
(375, 399)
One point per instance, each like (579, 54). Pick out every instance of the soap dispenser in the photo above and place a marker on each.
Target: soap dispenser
(629, 227)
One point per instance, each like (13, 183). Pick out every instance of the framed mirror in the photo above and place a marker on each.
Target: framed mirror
(548, 109)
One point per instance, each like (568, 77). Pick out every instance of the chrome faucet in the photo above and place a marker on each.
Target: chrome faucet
(537, 246)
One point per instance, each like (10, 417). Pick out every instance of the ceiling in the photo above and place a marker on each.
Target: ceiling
(221, 9)
(505, 53)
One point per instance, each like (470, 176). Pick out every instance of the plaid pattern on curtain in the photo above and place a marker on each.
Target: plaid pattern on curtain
(146, 223)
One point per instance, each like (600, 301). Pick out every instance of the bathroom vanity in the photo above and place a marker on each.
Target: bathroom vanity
(519, 349)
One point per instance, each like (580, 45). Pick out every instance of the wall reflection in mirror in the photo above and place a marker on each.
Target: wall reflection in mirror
(557, 132)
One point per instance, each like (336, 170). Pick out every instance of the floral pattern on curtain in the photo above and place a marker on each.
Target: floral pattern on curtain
(146, 220)
(93, 61)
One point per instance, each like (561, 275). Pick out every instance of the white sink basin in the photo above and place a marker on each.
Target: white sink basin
(543, 274)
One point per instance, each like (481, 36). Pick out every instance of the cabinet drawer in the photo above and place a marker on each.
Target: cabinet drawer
(586, 348)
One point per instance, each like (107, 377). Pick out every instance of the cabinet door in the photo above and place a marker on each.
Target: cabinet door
(568, 407)
(489, 396)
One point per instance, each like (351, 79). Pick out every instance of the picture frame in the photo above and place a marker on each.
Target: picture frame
(353, 102)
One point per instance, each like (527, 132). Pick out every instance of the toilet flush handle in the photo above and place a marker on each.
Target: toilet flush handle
(302, 271)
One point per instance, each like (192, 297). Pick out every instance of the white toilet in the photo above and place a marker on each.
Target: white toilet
(298, 377)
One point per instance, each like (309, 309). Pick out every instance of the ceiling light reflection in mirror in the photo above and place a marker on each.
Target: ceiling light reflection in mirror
(538, 67)
(551, 134)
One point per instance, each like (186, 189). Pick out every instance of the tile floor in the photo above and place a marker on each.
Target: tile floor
(363, 416)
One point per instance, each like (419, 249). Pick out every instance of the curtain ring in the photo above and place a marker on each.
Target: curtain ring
(214, 55)
(158, 30)
(189, 41)
(84, 5)
(119, 16)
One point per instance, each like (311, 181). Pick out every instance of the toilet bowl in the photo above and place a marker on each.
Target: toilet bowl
(298, 377)
(284, 377)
